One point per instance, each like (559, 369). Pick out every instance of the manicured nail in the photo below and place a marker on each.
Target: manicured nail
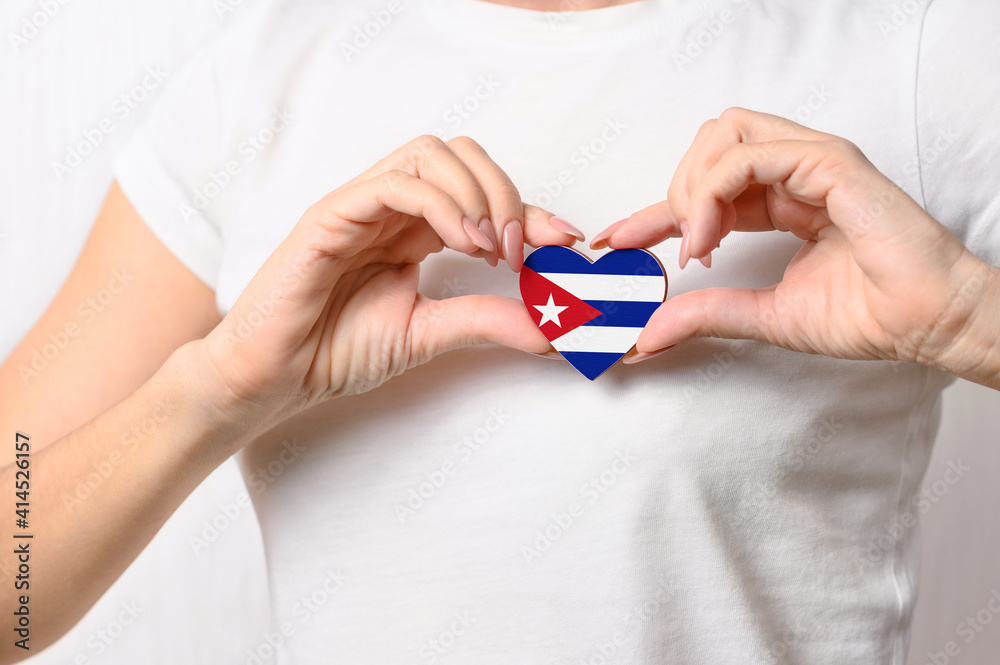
(599, 240)
(513, 245)
(560, 224)
(685, 254)
(706, 260)
(487, 228)
(639, 357)
(476, 236)
(551, 355)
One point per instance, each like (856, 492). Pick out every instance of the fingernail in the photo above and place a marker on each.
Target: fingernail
(598, 241)
(560, 224)
(487, 228)
(551, 355)
(706, 260)
(639, 357)
(685, 254)
(476, 236)
(513, 245)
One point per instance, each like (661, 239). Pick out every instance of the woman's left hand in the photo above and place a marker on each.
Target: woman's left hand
(878, 278)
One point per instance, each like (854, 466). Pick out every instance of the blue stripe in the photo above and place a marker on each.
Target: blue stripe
(591, 365)
(622, 313)
(553, 258)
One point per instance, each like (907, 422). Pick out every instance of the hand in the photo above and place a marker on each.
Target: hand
(335, 310)
(877, 278)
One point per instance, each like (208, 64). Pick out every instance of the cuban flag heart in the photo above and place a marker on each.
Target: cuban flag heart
(592, 313)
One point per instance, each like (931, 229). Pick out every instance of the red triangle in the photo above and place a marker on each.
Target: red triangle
(536, 290)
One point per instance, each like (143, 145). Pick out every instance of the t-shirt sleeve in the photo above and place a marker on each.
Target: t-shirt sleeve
(173, 165)
(958, 120)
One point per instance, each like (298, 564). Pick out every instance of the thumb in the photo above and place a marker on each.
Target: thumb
(456, 323)
(719, 312)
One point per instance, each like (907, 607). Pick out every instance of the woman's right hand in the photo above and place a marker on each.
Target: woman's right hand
(335, 310)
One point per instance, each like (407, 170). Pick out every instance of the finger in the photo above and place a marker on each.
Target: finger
(511, 222)
(431, 159)
(794, 163)
(346, 217)
(719, 312)
(412, 244)
(662, 220)
(600, 240)
(644, 228)
(677, 191)
(445, 325)
(738, 125)
(437, 163)
(734, 126)
(504, 206)
(656, 223)
(541, 227)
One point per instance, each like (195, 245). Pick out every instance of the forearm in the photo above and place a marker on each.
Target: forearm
(99, 494)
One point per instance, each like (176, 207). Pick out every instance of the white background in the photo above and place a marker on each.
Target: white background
(210, 607)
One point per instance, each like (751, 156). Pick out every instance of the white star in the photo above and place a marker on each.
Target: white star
(550, 312)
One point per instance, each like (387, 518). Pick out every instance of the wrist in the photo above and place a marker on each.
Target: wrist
(217, 417)
(973, 353)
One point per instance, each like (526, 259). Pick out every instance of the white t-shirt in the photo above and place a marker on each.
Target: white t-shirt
(727, 502)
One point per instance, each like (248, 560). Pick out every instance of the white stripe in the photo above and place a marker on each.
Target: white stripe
(643, 288)
(597, 339)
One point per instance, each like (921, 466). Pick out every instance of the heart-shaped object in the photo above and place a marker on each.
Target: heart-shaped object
(592, 313)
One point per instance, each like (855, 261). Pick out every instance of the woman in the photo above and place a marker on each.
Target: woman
(685, 509)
